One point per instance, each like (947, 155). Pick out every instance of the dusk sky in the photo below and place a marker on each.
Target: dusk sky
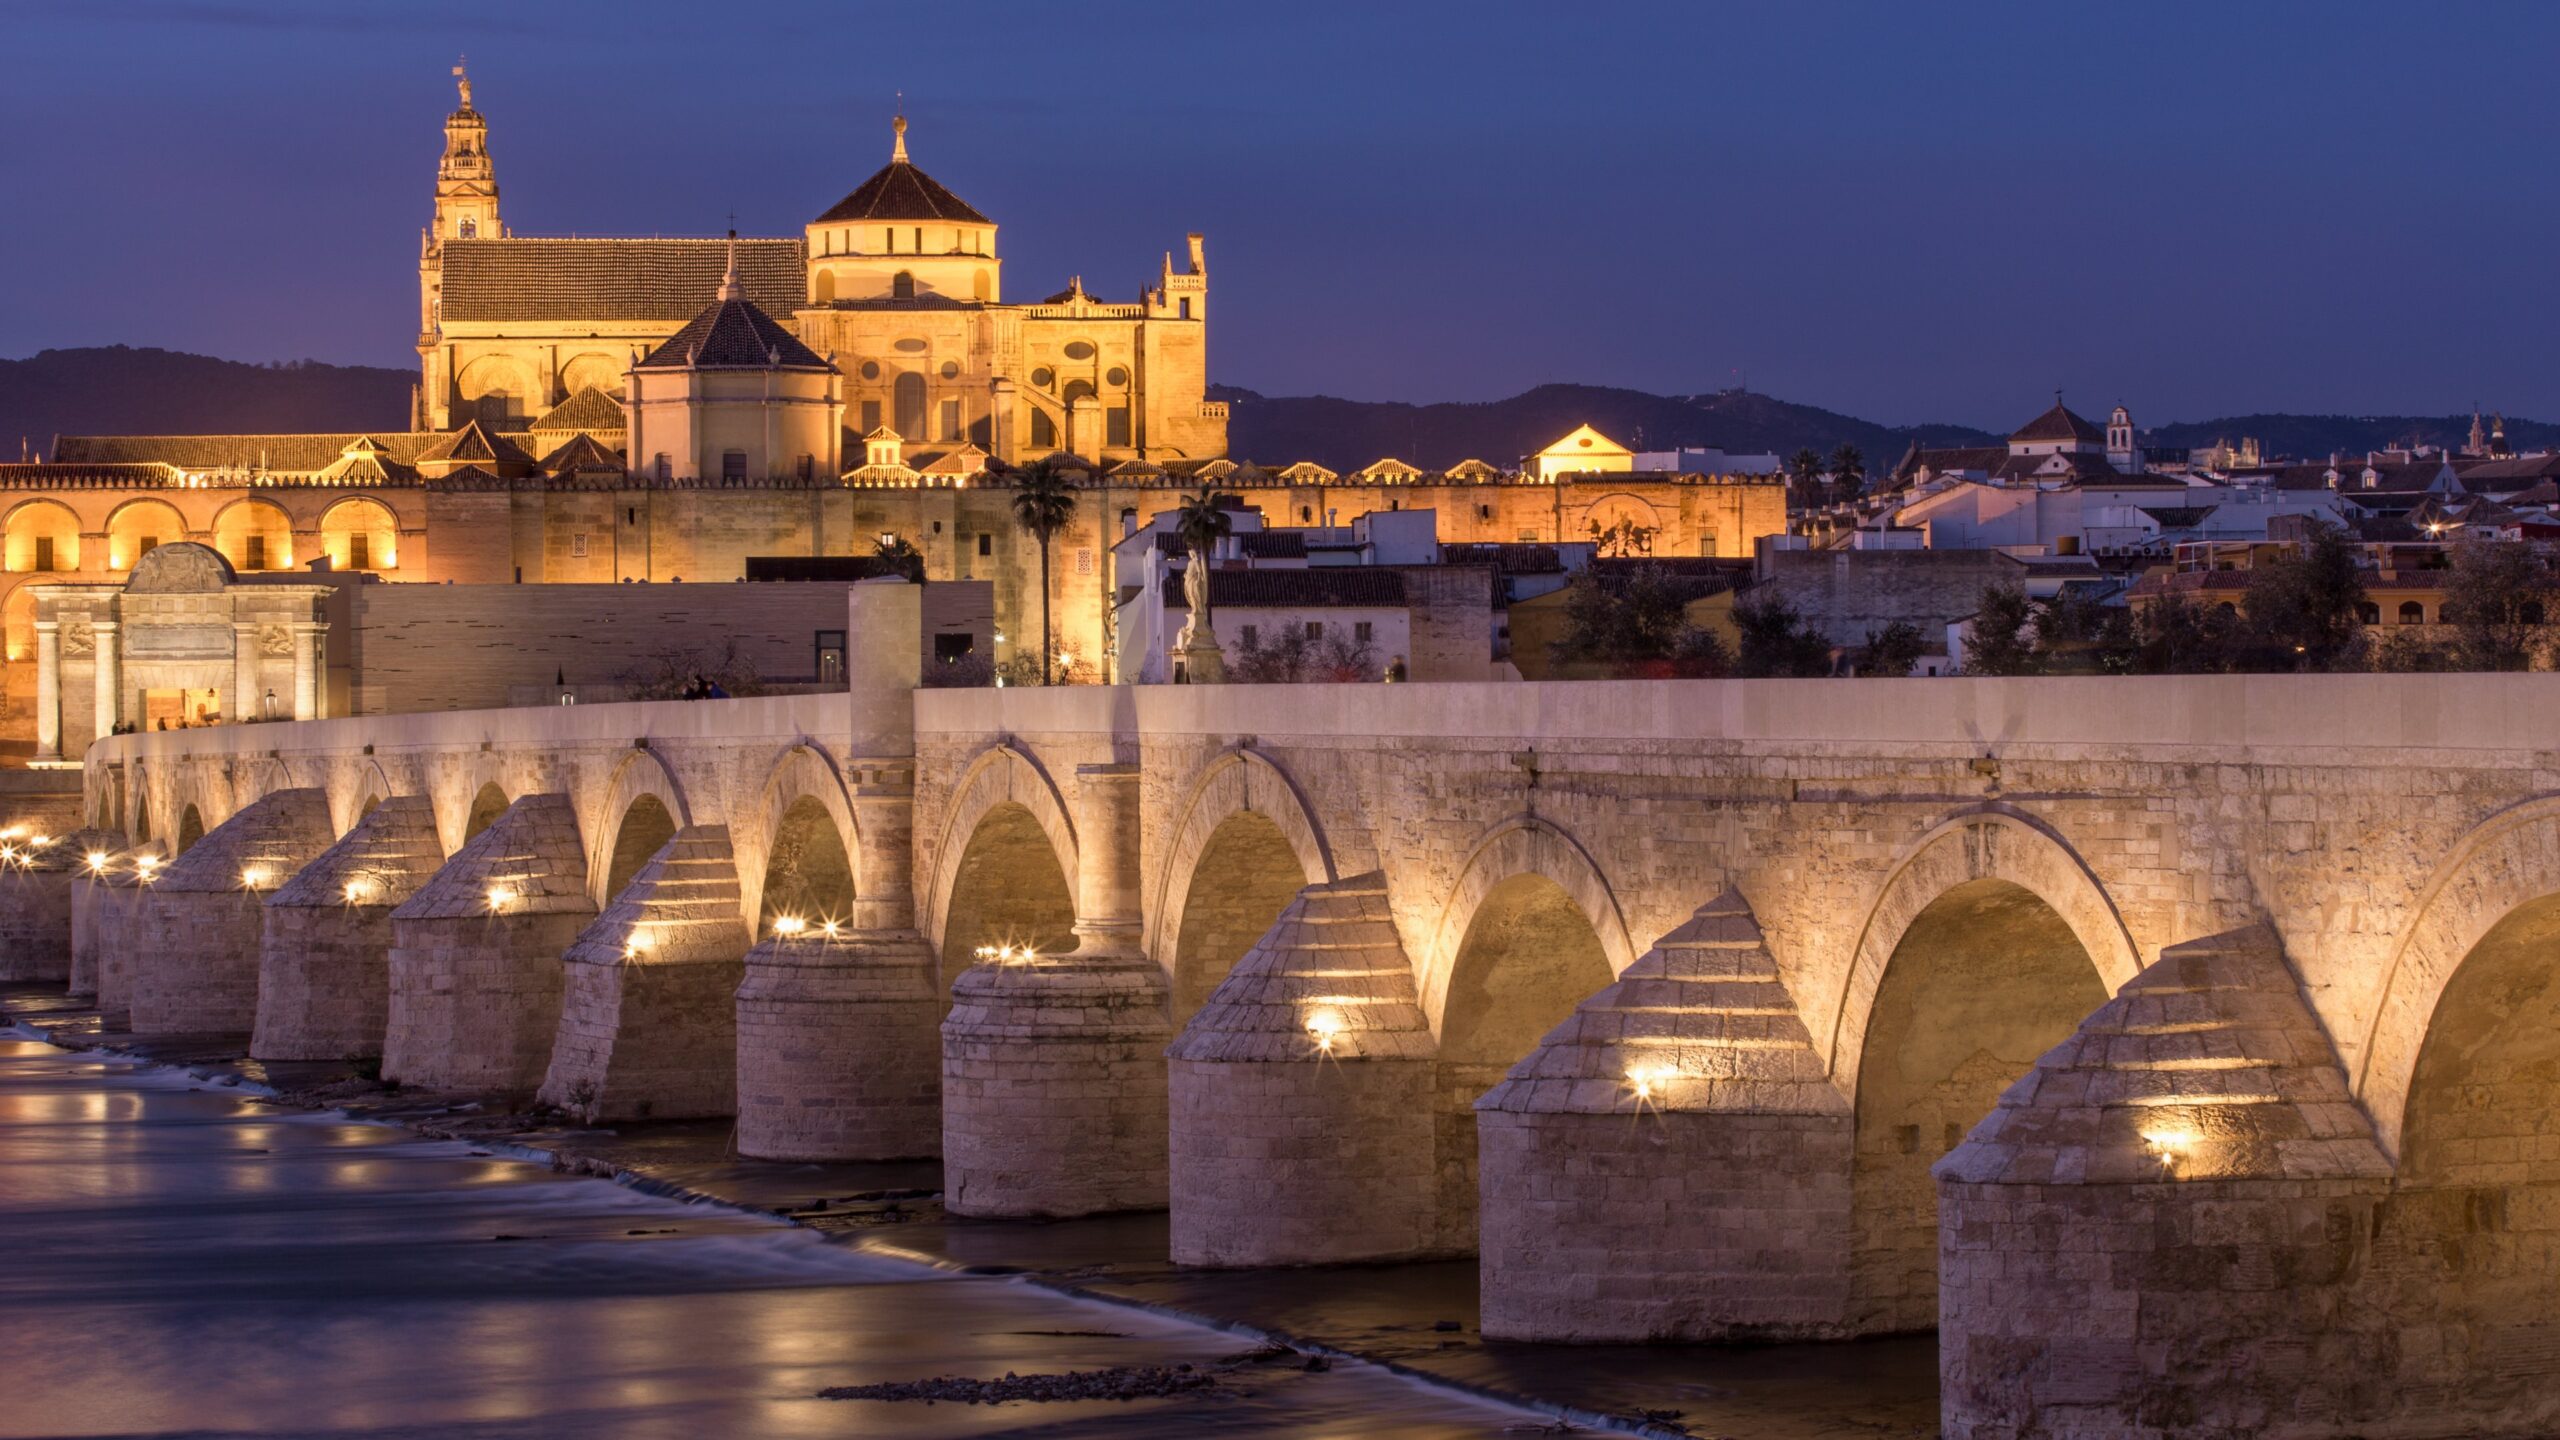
(1907, 212)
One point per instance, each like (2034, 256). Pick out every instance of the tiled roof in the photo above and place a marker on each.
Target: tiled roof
(614, 280)
(733, 335)
(590, 409)
(581, 452)
(902, 192)
(1968, 457)
(85, 477)
(1506, 557)
(213, 452)
(1273, 544)
(2512, 473)
(472, 445)
(1347, 585)
(2058, 424)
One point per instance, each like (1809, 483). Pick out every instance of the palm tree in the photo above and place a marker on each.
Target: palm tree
(1201, 524)
(1805, 468)
(1044, 500)
(900, 552)
(1848, 471)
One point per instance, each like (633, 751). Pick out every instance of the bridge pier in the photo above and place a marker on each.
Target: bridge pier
(475, 955)
(324, 966)
(39, 876)
(1673, 1162)
(1301, 1096)
(648, 1010)
(1053, 1069)
(838, 1058)
(117, 898)
(195, 937)
(2163, 1229)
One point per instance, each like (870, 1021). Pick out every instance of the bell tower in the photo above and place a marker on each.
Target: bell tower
(466, 186)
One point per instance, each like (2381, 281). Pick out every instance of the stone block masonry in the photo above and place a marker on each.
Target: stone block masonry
(2161, 1231)
(475, 956)
(196, 935)
(324, 965)
(1053, 1087)
(39, 885)
(839, 1054)
(1301, 1096)
(648, 1007)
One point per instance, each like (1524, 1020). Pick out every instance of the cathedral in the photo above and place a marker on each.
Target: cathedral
(899, 285)
(618, 412)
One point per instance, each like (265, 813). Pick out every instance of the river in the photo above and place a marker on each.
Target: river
(177, 1259)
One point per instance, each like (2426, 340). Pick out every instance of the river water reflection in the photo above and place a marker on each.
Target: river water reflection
(182, 1262)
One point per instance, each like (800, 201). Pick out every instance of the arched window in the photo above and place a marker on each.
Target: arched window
(822, 291)
(470, 227)
(908, 394)
(2412, 613)
(1044, 431)
(2530, 612)
(2369, 613)
(902, 286)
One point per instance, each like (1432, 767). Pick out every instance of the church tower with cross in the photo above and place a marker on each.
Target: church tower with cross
(899, 282)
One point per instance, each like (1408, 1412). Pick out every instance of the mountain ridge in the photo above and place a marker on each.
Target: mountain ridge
(141, 390)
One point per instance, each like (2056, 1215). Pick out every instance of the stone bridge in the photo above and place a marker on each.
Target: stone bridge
(2184, 1050)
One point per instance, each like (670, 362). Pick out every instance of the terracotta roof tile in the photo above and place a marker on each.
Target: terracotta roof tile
(733, 335)
(614, 280)
(900, 191)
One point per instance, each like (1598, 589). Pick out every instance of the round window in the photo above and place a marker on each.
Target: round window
(870, 369)
(1044, 377)
(1116, 376)
(950, 369)
(1079, 350)
(910, 347)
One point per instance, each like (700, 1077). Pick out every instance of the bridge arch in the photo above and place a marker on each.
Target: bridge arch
(1005, 867)
(1246, 830)
(1986, 946)
(359, 789)
(1001, 775)
(1522, 845)
(801, 791)
(2496, 871)
(642, 809)
(1989, 843)
(1531, 930)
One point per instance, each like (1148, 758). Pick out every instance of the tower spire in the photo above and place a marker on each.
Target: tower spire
(898, 150)
(462, 78)
(730, 289)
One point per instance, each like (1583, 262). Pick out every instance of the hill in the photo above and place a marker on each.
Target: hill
(1346, 434)
(2313, 437)
(123, 389)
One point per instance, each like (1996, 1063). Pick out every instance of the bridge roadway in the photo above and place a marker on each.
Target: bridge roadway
(2181, 1049)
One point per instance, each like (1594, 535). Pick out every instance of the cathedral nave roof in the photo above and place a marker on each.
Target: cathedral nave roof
(613, 280)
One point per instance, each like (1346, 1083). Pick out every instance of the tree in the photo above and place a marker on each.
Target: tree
(2177, 635)
(1044, 500)
(2076, 635)
(1891, 651)
(1624, 540)
(2004, 641)
(1292, 656)
(2496, 598)
(1804, 468)
(1775, 644)
(900, 553)
(2304, 609)
(1622, 620)
(1848, 472)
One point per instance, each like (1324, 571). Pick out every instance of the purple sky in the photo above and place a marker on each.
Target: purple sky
(1908, 212)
